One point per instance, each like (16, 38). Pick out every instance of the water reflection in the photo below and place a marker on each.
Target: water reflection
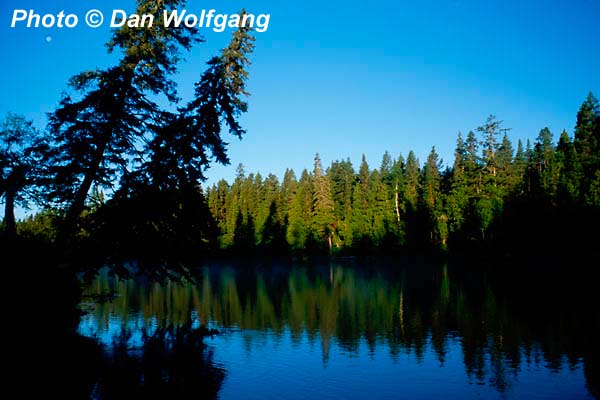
(429, 315)
(170, 362)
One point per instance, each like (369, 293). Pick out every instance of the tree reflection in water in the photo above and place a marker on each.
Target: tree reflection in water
(410, 310)
(172, 362)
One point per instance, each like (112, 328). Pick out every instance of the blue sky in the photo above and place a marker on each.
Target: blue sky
(347, 78)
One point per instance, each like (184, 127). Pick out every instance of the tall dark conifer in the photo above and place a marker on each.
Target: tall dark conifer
(21, 148)
(98, 132)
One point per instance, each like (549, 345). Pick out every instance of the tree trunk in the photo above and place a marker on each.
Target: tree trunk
(78, 203)
(9, 212)
(397, 204)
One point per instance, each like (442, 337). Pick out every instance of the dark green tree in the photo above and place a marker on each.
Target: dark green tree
(361, 220)
(587, 146)
(457, 202)
(519, 168)
(187, 141)
(507, 180)
(433, 200)
(396, 188)
(411, 182)
(570, 170)
(545, 172)
(342, 177)
(323, 217)
(98, 132)
(586, 140)
(473, 170)
(491, 131)
(381, 206)
(21, 149)
(299, 215)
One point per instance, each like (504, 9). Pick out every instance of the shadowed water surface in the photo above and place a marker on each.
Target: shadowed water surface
(345, 329)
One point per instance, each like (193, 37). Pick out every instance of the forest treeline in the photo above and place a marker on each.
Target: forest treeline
(117, 173)
(544, 193)
(495, 195)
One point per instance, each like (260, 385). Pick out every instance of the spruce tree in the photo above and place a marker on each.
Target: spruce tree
(361, 221)
(98, 133)
(188, 140)
(21, 149)
(342, 177)
(507, 179)
(586, 140)
(289, 186)
(491, 130)
(545, 173)
(397, 187)
(587, 144)
(299, 215)
(381, 207)
(411, 182)
(433, 201)
(458, 199)
(323, 217)
(473, 170)
(520, 168)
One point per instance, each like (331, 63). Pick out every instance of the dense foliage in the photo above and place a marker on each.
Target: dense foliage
(119, 172)
(122, 158)
(542, 195)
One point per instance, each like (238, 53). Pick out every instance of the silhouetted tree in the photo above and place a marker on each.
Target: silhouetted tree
(97, 133)
(21, 148)
(186, 141)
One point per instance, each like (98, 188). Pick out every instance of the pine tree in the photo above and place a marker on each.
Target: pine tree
(397, 187)
(381, 207)
(570, 170)
(489, 198)
(520, 168)
(361, 221)
(21, 149)
(586, 140)
(323, 218)
(473, 169)
(491, 130)
(342, 177)
(232, 209)
(587, 143)
(507, 179)
(270, 217)
(411, 182)
(458, 199)
(432, 200)
(414, 221)
(96, 135)
(386, 167)
(299, 215)
(289, 186)
(185, 143)
(431, 181)
(219, 202)
(545, 170)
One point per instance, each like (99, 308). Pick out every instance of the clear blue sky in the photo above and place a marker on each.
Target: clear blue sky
(344, 78)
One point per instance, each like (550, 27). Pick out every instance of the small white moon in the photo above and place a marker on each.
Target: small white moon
(48, 38)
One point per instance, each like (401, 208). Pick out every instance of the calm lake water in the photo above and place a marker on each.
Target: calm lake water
(346, 329)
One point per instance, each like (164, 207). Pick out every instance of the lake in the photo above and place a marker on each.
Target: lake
(344, 329)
